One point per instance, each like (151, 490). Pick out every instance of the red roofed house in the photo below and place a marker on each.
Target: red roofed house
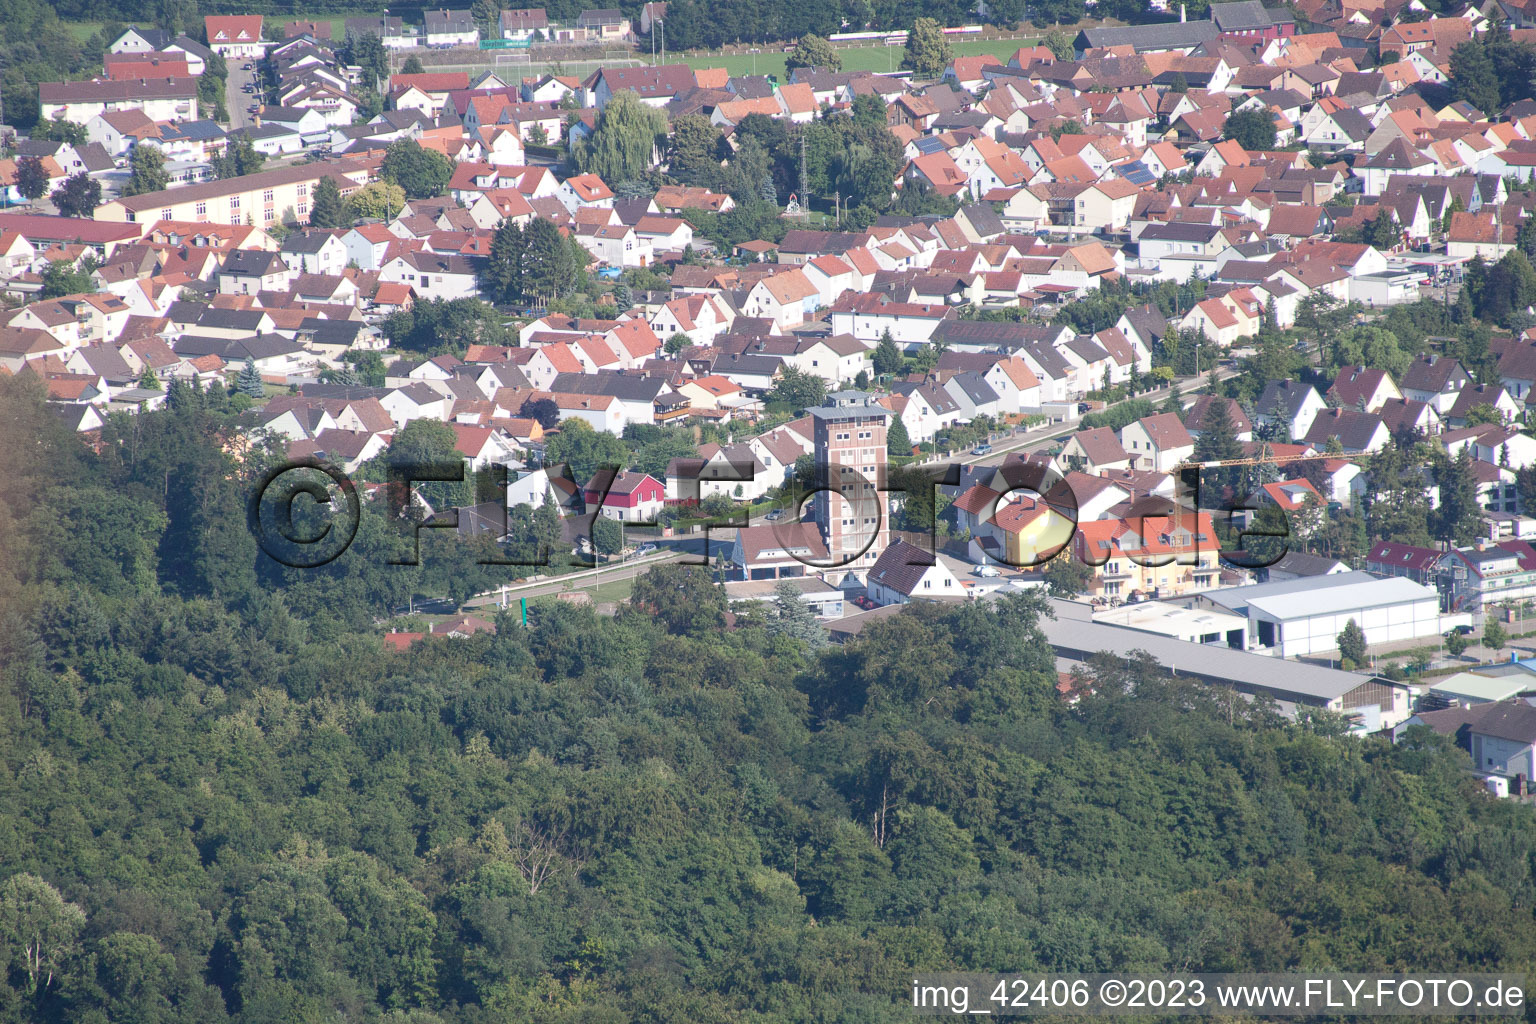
(633, 498)
(1219, 322)
(788, 298)
(584, 190)
(1414, 563)
(1115, 549)
(235, 35)
(481, 446)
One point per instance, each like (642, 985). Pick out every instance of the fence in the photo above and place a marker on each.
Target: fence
(522, 62)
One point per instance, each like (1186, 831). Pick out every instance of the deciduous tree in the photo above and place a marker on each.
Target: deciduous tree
(812, 51)
(928, 51)
(423, 173)
(77, 196)
(1251, 129)
(623, 144)
(146, 171)
(31, 177)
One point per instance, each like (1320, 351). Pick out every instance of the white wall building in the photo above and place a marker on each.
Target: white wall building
(1296, 618)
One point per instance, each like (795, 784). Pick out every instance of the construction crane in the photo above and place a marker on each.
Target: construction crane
(1189, 472)
(1266, 458)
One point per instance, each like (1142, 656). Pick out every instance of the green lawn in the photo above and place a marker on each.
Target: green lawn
(860, 58)
(612, 590)
(82, 30)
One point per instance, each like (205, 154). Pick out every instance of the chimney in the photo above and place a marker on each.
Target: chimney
(1183, 17)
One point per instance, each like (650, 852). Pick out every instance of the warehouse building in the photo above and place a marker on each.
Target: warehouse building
(1300, 617)
(1374, 702)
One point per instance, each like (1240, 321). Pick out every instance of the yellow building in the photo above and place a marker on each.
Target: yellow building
(262, 199)
(1155, 556)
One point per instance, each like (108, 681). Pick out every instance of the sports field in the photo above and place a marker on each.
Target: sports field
(855, 58)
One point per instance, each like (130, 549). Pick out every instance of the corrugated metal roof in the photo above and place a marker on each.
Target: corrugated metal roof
(1322, 595)
(1073, 633)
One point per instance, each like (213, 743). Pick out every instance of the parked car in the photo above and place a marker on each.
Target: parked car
(983, 449)
(1463, 630)
(644, 549)
(774, 516)
(867, 603)
(985, 571)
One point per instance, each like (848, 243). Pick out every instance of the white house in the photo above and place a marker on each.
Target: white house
(787, 298)
(235, 36)
(442, 28)
(433, 275)
(905, 572)
(1157, 442)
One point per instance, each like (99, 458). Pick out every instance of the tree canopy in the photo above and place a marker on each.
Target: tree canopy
(623, 145)
(1251, 129)
(231, 795)
(928, 51)
(146, 171)
(77, 195)
(812, 51)
(422, 173)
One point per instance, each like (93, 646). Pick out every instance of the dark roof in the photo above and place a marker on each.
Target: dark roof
(751, 87)
(222, 319)
(1181, 231)
(158, 38)
(189, 45)
(1000, 334)
(983, 219)
(252, 263)
(310, 240)
(800, 241)
(975, 387)
(447, 21)
(1290, 394)
(1302, 564)
(901, 567)
(1172, 36)
(1247, 15)
(600, 17)
(95, 157)
(332, 332)
(1353, 428)
(236, 350)
(622, 386)
(1512, 720)
(1434, 373)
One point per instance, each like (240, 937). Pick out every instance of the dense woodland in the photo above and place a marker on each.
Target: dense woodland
(221, 800)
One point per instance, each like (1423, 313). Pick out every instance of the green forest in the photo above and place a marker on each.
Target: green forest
(221, 800)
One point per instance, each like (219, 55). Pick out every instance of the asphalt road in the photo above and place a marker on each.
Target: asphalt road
(236, 99)
(1043, 436)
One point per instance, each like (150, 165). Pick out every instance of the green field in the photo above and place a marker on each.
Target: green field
(859, 58)
(82, 30)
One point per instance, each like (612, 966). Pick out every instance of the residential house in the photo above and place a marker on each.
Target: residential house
(1157, 442)
(1291, 402)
